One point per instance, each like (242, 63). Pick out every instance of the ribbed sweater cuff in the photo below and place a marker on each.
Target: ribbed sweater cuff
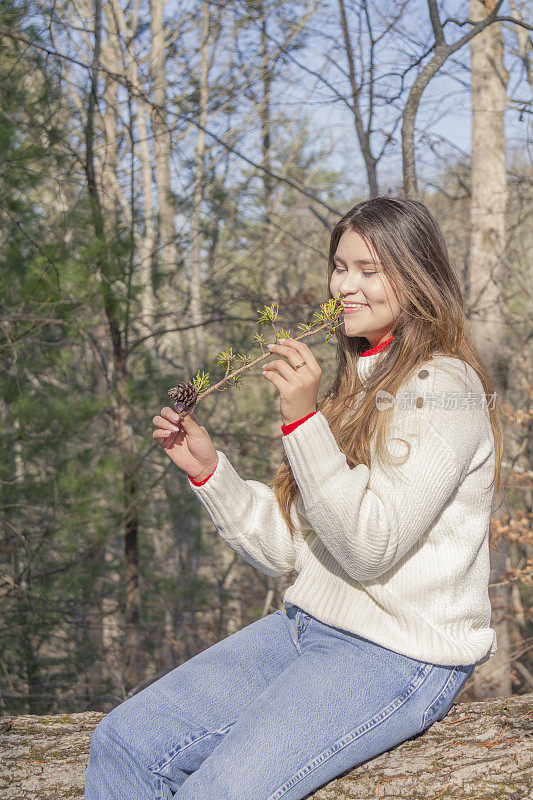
(314, 456)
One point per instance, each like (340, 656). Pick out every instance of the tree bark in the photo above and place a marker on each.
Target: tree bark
(145, 240)
(480, 750)
(196, 277)
(172, 345)
(489, 190)
(486, 283)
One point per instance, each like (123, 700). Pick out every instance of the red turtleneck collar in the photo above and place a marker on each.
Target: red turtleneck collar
(377, 349)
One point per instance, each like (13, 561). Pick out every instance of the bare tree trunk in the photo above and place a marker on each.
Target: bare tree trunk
(105, 629)
(487, 280)
(145, 241)
(122, 411)
(21, 587)
(111, 626)
(442, 50)
(489, 190)
(480, 750)
(270, 282)
(268, 265)
(196, 304)
(147, 247)
(173, 344)
(123, 415)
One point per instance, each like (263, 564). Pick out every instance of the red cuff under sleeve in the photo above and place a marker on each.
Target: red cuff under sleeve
(201, 483)
(288, 428)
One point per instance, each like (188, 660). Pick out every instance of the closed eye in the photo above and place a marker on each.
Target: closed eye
(366, 274)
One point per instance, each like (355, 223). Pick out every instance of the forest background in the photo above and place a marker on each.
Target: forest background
(166, 171)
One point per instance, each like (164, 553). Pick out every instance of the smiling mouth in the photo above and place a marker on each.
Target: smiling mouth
(353, 309)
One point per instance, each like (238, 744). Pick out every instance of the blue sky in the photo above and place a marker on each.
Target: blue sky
(444, 112)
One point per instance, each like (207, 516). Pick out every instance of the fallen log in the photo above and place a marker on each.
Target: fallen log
(481, 750)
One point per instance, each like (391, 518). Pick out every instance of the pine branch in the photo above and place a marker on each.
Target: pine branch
(188, 395)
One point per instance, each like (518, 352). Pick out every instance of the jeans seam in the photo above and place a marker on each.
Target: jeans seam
(435, 700)
(165, 760)
(162, 790)
(354, 734)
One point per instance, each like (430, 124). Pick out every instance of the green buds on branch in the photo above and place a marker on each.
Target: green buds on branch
(187, 395)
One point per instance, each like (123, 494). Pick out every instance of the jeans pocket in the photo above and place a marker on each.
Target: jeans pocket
(453, 682)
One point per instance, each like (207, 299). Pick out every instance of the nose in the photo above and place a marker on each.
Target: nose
(349, 287)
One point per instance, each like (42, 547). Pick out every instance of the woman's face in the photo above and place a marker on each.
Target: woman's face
(359, 277)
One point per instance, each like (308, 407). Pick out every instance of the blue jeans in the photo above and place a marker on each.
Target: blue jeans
(275, 710)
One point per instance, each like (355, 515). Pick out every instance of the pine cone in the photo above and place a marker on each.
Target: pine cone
(185, 396)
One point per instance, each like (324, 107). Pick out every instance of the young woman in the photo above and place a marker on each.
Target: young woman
(381, 506)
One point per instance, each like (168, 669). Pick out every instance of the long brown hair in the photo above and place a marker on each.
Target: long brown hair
(410, 245)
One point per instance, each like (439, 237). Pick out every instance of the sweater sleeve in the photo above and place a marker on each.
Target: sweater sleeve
(247, 517)
(369, 519)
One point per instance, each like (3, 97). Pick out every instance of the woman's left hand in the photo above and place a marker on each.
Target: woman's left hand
(298, 389)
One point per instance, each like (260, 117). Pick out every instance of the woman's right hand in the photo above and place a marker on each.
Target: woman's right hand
(186, 442)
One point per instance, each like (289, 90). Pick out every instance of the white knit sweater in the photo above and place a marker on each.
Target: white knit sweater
(401, 559)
